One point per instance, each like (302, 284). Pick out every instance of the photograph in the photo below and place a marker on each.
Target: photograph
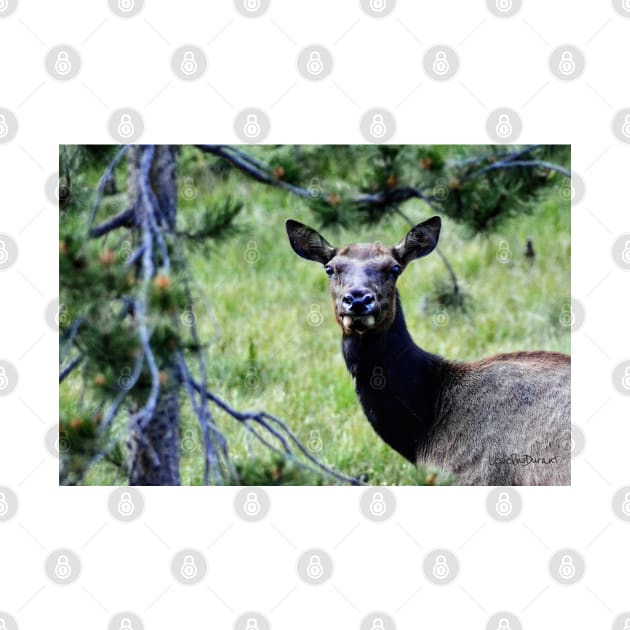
(429, 344)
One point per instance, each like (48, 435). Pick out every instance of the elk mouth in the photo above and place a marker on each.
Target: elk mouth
(357, 323)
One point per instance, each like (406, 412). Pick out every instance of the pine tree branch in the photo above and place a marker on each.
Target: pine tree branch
(283, 434)
(71, 367)
(125, 219)
(392, 196)
(511, 162)
(107, 174)
(252, 167)
(208, 427)
(264, 175)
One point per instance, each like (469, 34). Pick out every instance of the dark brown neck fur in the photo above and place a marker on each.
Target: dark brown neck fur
(399, 385)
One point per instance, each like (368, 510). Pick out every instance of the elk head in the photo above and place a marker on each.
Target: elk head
(362, 276)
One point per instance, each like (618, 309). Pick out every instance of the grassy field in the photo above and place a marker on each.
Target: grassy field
(275, 345)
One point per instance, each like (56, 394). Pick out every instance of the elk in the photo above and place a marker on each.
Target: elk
(504, 420)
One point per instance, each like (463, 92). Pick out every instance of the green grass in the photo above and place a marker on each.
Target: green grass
(267, 353)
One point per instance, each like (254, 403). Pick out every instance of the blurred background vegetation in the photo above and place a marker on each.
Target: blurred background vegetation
(500, 283)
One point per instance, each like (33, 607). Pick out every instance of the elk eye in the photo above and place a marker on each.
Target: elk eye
(396, 270)
(329, 270)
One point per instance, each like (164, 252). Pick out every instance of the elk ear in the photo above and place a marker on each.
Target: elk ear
(308, 243)
(420, 241)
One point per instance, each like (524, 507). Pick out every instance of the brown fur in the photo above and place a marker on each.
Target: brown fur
(532, 357)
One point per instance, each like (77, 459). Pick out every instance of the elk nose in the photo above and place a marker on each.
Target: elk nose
(359, 301)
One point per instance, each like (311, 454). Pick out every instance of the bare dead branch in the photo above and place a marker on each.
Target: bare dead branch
(283, 434)
(109, 169)
(71, 367)
(125, 219)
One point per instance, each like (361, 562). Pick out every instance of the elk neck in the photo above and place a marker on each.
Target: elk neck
(398, 384)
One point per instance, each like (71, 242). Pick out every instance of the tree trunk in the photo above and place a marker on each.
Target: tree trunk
(154, 441)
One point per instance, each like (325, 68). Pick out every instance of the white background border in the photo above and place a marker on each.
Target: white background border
(252, 62)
